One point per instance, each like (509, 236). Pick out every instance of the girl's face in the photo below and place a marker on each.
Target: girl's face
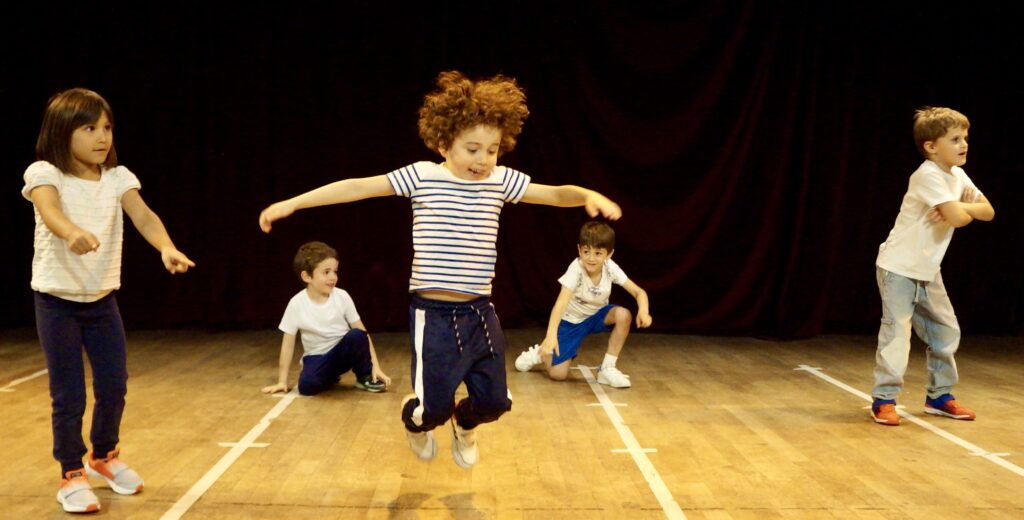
(474, 153)
(90, 145)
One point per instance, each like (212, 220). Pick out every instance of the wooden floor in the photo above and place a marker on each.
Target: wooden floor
(738, 433)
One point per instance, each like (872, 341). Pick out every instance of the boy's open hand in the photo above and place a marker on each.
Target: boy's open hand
(935, 216)
(970, 195)
(273, 389)
(276, 211)
(643, 320)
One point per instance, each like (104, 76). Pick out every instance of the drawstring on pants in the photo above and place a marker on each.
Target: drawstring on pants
(919, 288)
(483, 321)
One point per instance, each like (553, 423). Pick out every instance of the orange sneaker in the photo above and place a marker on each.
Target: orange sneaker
(884, 412)
(945, 405)
(75, 494)
(122, 479)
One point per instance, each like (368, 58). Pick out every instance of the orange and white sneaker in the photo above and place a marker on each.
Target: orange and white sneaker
(883, 411)
(946, 406)
(122, 479)
(75, 494)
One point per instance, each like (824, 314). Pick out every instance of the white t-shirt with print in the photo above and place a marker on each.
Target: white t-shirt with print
(587, 297)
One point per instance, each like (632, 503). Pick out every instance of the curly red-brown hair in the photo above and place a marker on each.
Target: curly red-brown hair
(461, 104)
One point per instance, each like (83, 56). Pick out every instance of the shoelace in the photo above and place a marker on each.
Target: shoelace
(483, 321)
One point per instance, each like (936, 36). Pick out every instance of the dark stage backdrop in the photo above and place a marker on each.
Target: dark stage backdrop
(759, 149)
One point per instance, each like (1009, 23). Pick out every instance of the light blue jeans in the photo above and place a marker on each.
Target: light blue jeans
(925, 306)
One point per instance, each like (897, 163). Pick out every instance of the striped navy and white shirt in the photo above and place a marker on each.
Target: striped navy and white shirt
(455, 224)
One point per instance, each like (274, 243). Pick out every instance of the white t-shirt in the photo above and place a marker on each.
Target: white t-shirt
(322, 325)
(916, 245)
(588, 298)
(95, 206)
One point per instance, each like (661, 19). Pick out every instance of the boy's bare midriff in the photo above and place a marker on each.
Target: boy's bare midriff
(446, 296)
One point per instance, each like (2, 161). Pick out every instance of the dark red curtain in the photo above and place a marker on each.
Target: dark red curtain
(759, 150)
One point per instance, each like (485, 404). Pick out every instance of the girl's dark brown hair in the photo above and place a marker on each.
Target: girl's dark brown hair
(65, 113)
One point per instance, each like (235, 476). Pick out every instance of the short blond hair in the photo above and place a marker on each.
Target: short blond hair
(931, 123)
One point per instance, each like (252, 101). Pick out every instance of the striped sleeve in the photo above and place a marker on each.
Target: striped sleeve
(514, 184)
(406, 180)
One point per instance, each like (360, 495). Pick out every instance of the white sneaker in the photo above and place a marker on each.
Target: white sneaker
(528, 359)
(75, 494)
(122, 479)
(422, 444)
(464, 449)
(612, 377)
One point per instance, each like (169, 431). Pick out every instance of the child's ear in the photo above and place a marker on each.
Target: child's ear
(929, 146)
(306, 278)
(610, 253)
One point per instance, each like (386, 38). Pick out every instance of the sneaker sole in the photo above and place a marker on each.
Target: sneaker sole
(884, 422)
(369, 388)
(936, 411)
(113, 485)
(608, 383)
(524, 368)
(70, 508)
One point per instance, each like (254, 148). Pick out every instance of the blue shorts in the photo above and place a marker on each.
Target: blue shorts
(570, 335)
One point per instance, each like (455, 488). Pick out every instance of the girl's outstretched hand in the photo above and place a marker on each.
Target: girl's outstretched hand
(175, 261)
(275, 211)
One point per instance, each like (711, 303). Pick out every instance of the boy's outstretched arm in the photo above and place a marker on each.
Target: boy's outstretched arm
(643, 315)
(550, 343)
(284, 363)
(569, 196)
(153, 230)
(377, 374)
(348, 190)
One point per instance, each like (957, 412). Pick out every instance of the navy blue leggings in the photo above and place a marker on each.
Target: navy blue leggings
(64, 328)
(452, 343)
(321, 372)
